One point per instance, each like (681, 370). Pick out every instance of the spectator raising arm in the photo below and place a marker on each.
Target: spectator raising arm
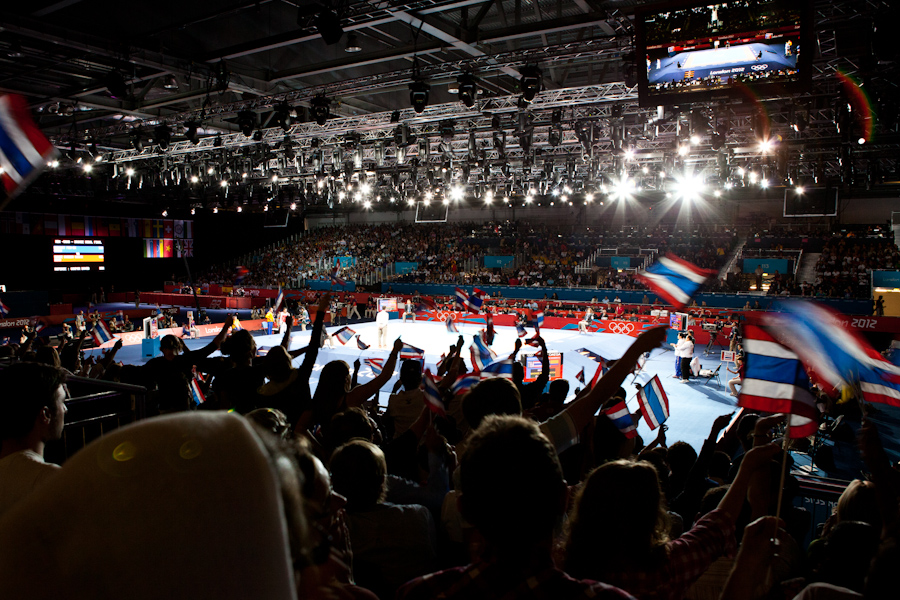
(361, 393)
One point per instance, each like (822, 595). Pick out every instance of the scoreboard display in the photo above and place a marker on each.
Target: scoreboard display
(78, 254)
(533, 367)
(388, 304)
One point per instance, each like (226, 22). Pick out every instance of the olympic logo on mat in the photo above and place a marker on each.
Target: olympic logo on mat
(620, 327)
(759, 67)
(442, 316)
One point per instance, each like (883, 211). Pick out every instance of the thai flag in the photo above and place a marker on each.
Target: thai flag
(598, 373)
(4, 309)
(279, 299)
(837, 355)
(433, 398)
(408, 352)
(101, 333)
(425, 303)
(344, 335)
(360, 344)
(336, 276)
(451, 326)
(462, 299)
(580, 376)
(38, 325)
(775, 381)
(539, 320)
(520, 330)
(480, 343)
(476, 300)
(675, 280)
(4, 341)
(499, 368)
(533, 340)
(489, 333)
(464, 383)
(477, 361)
(24, 151)
(197, 392)
(240, 273)
(621, 418)
(654, 403)
(376, 364)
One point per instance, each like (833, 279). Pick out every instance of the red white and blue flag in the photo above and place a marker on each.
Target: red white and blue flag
(24, 150)
(499, 368)
(580, 376)
(775, 381)
(476, 300)
(621, 418)
(408, 352)
(464, 383)
(484, 351)
(598, 373)
(654, 403)
(376, 364)
(433, 398)
(197, 392)
(539, 320)
(4, 309)
(837, 355)
(336, 276)
(451, 326)
(674, 280)
(471, 303)
(360, 344)
(279, 299)
(520, 331)
(101, 333)
(344, 335)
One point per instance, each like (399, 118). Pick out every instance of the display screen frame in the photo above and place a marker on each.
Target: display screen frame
(66, 250)
(759, 89)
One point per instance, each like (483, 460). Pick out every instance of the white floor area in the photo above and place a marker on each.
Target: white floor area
(693, 406)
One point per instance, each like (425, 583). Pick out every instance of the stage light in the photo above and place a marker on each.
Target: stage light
(622, 189)
(589, 198)
(240, 209)
(215, 210)
(393, 199)
(352, 43)
(328, 24)
(418, 95)
(165, 213)
(136, 140)
(163, 137)
(411, 201)
(765, 146)
(645, 170)
(341, 195)
(193, 211)
(283, 116)
(753, 176)
(88, 167)
(274, 178)
(320, 110)
(210, 170)
(799, 190)
(695, 140)
(717, 193)
(682, 150)
(764, 183)
(467, 89)
(529, 199)
(367, 204)
(488, 196)
(861, 141)
(190, 132)
(194, 179)
(246, 120)
(728, 185)
(129, 171)
(629, 153)
(531, 82)
(293, 206)
(53, 164)
(224, 183)
(457, 193)
(446, 201)
(244, 175)
(688, 188)
(365, 188)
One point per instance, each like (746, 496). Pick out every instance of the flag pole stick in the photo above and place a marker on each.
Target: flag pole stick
(787, 432)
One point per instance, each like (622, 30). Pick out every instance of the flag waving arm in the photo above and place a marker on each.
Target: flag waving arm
(361, 393)
(582, 410)
(286, 338)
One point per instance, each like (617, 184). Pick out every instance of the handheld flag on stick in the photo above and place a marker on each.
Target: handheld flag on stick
(376, 364)
(621, 418)
(4, 309)
(674, 280)
(464, 383)
(101, 333)
(774, 380)
(409, 352)
(539, 320)
(197, 392)
(360, 344)
(499, 368)
(477, 361)
(24, 150)
(484, 352)
(451, 326)
(240, 273)
(837, 355)
(520, 331)
(654, 403)
(279, 299)
(598, 373)
(344, 335)
(433, 398)
(336, 276)
(580, 376)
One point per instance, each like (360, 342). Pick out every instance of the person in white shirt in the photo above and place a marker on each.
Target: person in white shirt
(679, 347)
(33, 414)
(586, 321)
(687, 353)
(381, 322)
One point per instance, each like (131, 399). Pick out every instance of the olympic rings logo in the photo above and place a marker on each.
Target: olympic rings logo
(443, 315)
(759, 67)
(620, 327)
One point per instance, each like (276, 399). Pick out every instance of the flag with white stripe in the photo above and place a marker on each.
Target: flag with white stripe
(654, 403)
(101, 333)
(376, 364)
(674, 280)
(775, 381)
(621, 418)
(24, 150)
(433, 398)
(344, 335)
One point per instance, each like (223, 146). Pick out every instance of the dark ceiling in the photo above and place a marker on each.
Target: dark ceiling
(97, 73)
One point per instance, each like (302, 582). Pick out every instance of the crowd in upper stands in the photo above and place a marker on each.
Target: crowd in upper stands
(273, 488)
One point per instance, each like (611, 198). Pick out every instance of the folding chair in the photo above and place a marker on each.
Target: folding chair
(711, 374)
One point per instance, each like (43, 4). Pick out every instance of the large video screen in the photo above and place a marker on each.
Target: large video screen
(388, 304)
(533, 367)
(701, 51)
(78, 254)
(810, 202)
